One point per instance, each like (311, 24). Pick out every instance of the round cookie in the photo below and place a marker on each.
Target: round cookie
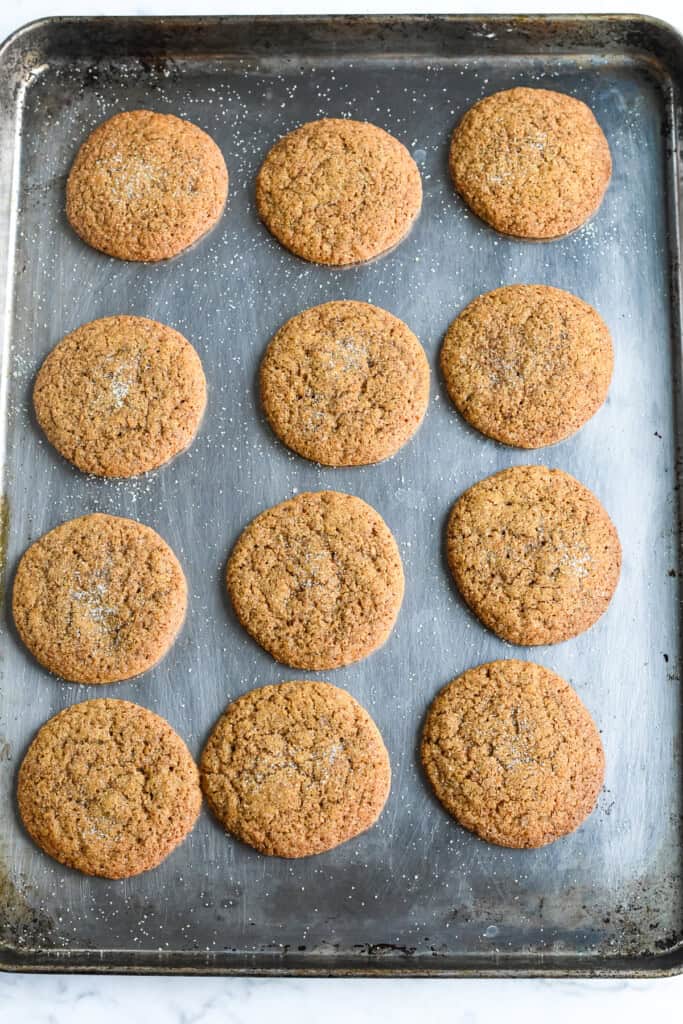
(317, 580)
(513, 754)
(145, 186)
(99, 599)
(527, 365)
(532, 163)
(296, 769)
(108, 788)
(121, 395)
(338, 191)
(345, 384)
(534, 554)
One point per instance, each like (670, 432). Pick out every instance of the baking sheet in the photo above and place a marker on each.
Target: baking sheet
(416, 894)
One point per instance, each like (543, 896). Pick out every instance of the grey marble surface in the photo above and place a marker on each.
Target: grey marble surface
(38, 999)
(83, 1000)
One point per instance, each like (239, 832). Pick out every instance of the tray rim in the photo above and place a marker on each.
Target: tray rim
(651, 22)
(669, 962)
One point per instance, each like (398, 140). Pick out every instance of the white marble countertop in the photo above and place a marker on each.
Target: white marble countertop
(50, 999)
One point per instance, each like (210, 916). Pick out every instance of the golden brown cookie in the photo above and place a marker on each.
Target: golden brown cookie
(531, 162)
(121, 395)
(296, 769)
(338, 191)
(108, 788)
(513, 754)
(345, 384)
(534, 554)
(144, 186)
(317, 580)
(527, 365)
(99, 599)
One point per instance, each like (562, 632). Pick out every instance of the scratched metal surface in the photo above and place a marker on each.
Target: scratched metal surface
(416, 894)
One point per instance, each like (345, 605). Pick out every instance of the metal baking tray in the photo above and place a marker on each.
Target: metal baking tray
(416, 895)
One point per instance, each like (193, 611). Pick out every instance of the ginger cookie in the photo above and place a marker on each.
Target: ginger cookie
(532, 163)
(121, 395)
(108, 788)
(144, 186)
(317, 580)
(345, 384)
(338, 191)
(513, 754)
(527, 365)
(99, 599)
(534, 554)
(296, 769)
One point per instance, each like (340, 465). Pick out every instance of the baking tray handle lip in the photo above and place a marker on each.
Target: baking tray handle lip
(645, 21)
(14, 39)
(23, 964)
(660, 25)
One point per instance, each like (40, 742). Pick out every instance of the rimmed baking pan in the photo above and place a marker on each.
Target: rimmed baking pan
(416, 895)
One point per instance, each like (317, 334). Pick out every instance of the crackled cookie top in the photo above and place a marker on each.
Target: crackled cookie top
(317, 580)
(296, 769)
(513, 754)
(338, 191)
(531, 162)
(107, 787)
(99, 599)
(345, 383)
(527, 365)
(121, 395)
(534, 554)
(144, 186)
